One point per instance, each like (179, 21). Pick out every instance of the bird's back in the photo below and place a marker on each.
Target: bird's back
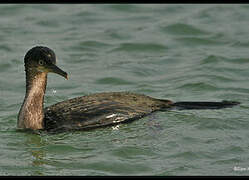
(100, 109)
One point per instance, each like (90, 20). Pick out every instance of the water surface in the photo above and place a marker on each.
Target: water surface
(178, 52)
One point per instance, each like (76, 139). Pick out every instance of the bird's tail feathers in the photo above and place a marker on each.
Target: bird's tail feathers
(185, 105)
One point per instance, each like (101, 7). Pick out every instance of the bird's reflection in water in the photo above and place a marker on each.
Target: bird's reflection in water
(36, 146)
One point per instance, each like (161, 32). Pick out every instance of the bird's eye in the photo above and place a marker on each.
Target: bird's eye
(41, 62)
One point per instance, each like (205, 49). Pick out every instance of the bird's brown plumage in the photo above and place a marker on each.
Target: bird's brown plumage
(100, 109)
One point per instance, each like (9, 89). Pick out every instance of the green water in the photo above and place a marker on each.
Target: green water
(178, 52)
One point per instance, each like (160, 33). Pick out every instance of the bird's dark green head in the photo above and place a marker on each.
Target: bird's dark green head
(42, 59)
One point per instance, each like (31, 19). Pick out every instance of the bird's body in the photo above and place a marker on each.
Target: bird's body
(100, 109)
(85, 112)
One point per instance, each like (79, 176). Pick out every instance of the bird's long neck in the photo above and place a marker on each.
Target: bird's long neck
(31, 114)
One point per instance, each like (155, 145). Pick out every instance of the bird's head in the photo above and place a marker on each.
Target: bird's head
(42, 59)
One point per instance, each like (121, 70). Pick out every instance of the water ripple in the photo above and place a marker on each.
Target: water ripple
(113, 81)
(141, 47)
(183, 29)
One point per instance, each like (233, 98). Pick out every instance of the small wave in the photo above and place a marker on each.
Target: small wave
(198, 86)
(183, 29)
(113, 81)
(128, 8)
(186, 155)
(231, 161)
(91, 45)
(200, 41)
(141, 47)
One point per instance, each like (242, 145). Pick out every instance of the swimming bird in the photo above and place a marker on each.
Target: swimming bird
(85, 112)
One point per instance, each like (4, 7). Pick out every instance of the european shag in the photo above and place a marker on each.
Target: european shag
(80, 113)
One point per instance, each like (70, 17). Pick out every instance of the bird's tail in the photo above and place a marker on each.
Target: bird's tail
(184, 105)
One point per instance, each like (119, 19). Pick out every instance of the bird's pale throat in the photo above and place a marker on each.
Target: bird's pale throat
(31, 114)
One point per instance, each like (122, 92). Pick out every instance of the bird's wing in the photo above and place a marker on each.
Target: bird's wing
(98, 110)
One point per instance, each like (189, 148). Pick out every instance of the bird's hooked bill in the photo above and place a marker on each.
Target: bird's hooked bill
(55, 69)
